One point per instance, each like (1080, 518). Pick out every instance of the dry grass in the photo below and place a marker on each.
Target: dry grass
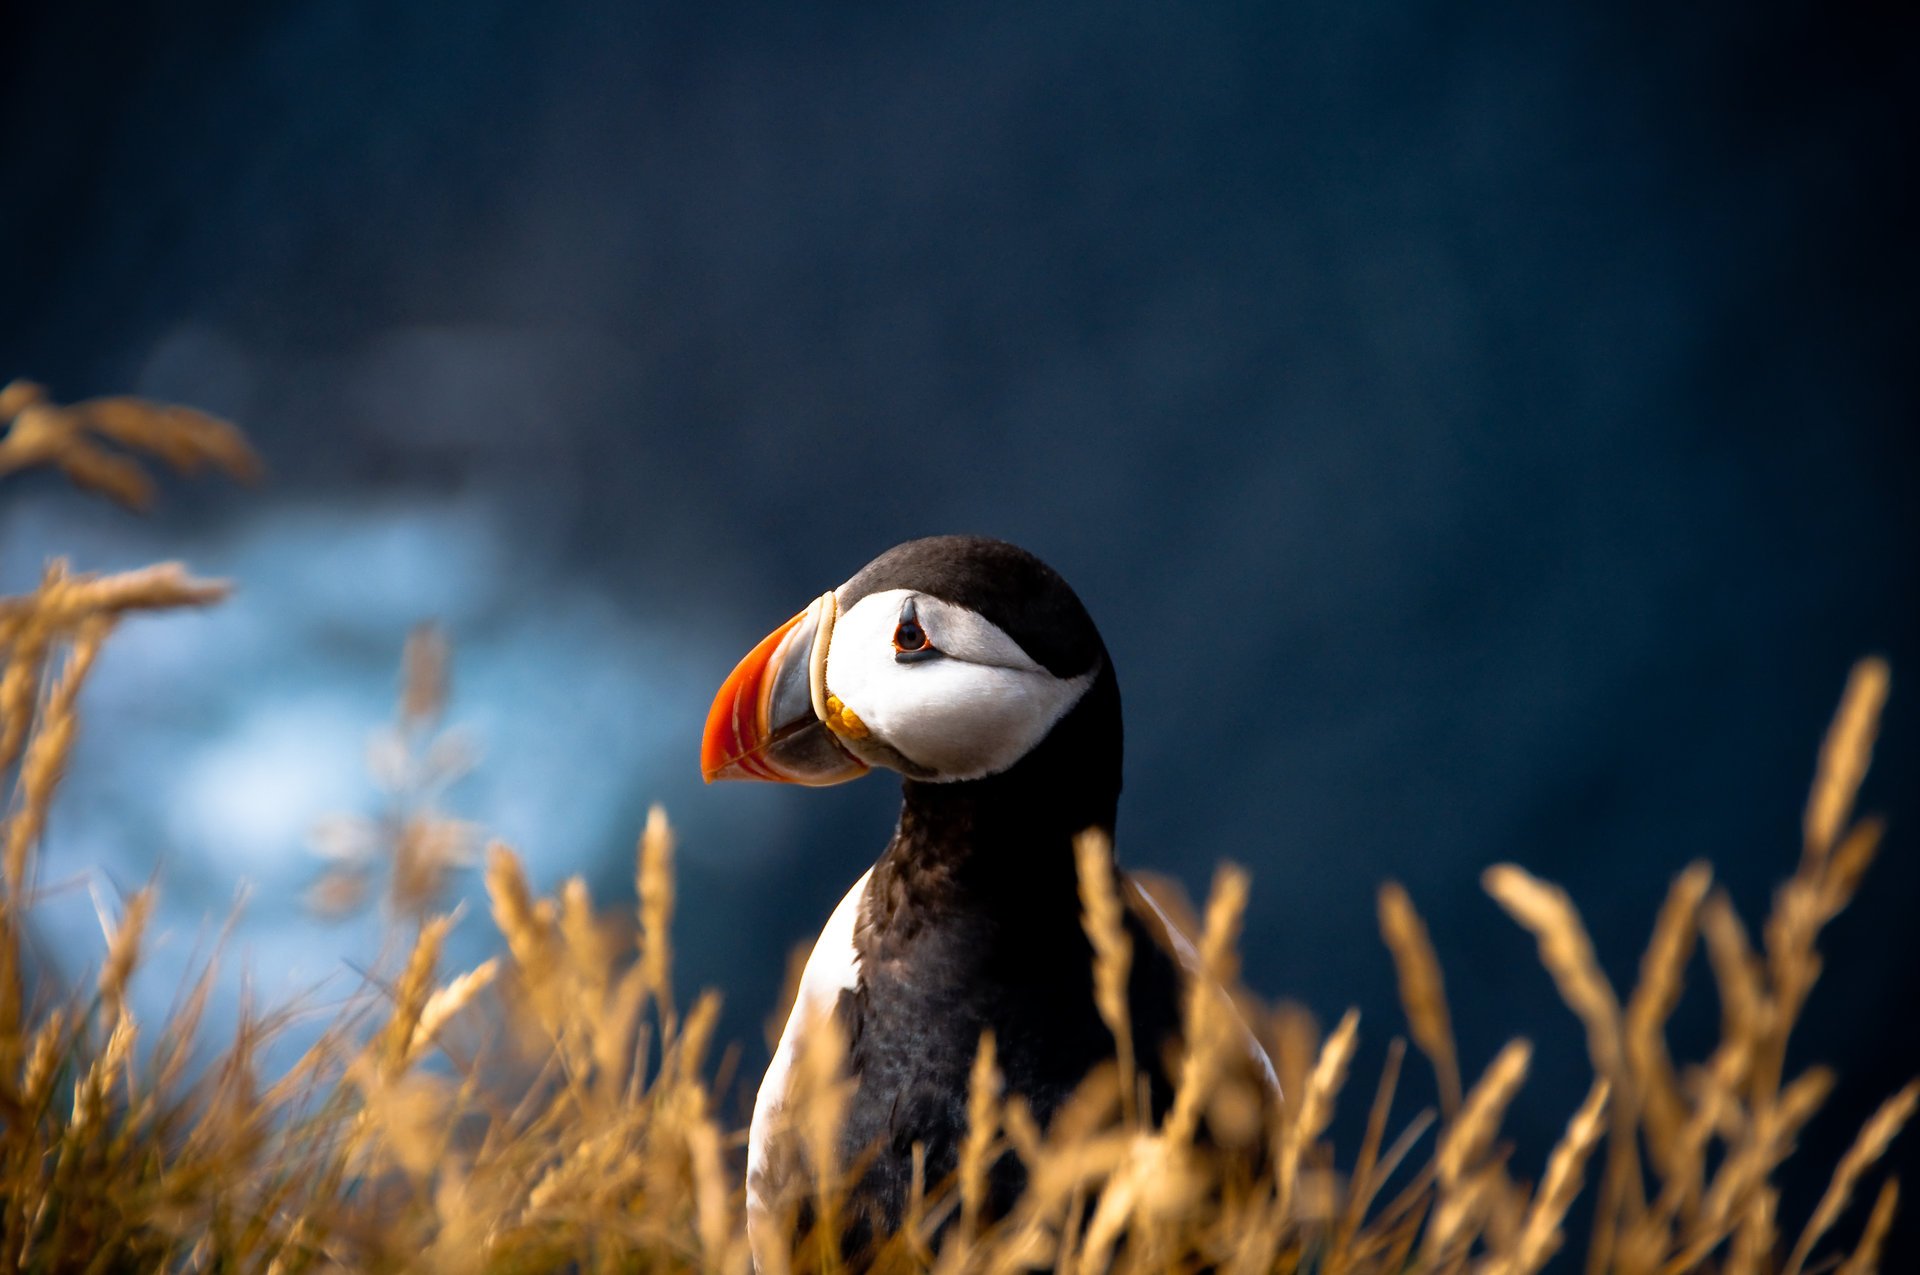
(552, 1109)
(94, 443)
(413, 843)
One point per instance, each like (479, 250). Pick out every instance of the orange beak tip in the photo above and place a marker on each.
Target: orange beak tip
(734, 726)
(739, 741)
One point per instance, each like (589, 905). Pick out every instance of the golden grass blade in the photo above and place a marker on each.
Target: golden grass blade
(1745, 1013)
(49, 1045)
(589, 956)
(1865, 1259)
(1715, 1107)
(95, 469)
(1848, 865)
(655, 886)
(19, 394)
(1364, 1184)
(1540, 1233)
(79, 611)
(67, 438)
(983, 1123)
(423, 677)
(447, 1001)
(22, 660)
(615, 1033)
(1423, 991)
(1112, 950)
(161, 587)
(689, 1048)
(1293, 1039)
(410, 995)
(821, 1099)
(1467, 1189)
(183, 438)
(1567, 952)
(1316, 1108)
(720, 1244)
(523, 922)
(1211, 1027)
(913, 1227)
(43, 434)
(123, 951)
(1466, 1138)
(1845, 755)
(45, 760)
(1113, 1211)
(1878, 1132)
(1451, 1222)
(1392, 1158)
(1761, 1144)
(1662, 970)
(1755, 1237)
(1220, 934)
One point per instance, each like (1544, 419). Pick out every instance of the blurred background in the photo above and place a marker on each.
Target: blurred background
(1481, 433)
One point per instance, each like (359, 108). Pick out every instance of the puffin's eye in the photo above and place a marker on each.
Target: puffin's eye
(909, 639)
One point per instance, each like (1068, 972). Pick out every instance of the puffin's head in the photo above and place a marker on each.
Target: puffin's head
(947, 659)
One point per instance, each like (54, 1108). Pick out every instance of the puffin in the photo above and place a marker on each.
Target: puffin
(969, 667)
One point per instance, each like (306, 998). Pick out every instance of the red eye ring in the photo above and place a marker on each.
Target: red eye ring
(910, 641)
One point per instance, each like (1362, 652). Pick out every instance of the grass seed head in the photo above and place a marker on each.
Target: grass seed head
(1567, 953)
(1865, 1259)
(1467, 1138)
(1540, 1235)
(1112, 948)
(1878, 1133)
(1423, 991)
(1845, 755)
(655, 886)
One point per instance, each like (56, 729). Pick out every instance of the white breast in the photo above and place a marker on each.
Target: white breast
(833, 967)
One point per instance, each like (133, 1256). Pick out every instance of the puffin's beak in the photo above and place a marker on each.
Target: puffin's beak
(768, 720)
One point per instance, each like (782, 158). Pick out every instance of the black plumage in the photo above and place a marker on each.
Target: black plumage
(971, 922)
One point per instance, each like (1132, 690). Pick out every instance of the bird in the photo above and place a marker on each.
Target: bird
(969, 667)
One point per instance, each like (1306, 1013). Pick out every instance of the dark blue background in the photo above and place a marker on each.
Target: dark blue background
(1481, 432)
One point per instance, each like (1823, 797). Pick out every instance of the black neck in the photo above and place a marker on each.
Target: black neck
(1015, 829)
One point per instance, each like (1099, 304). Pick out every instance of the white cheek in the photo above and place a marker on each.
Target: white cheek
(963, 721)
(953, 717)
